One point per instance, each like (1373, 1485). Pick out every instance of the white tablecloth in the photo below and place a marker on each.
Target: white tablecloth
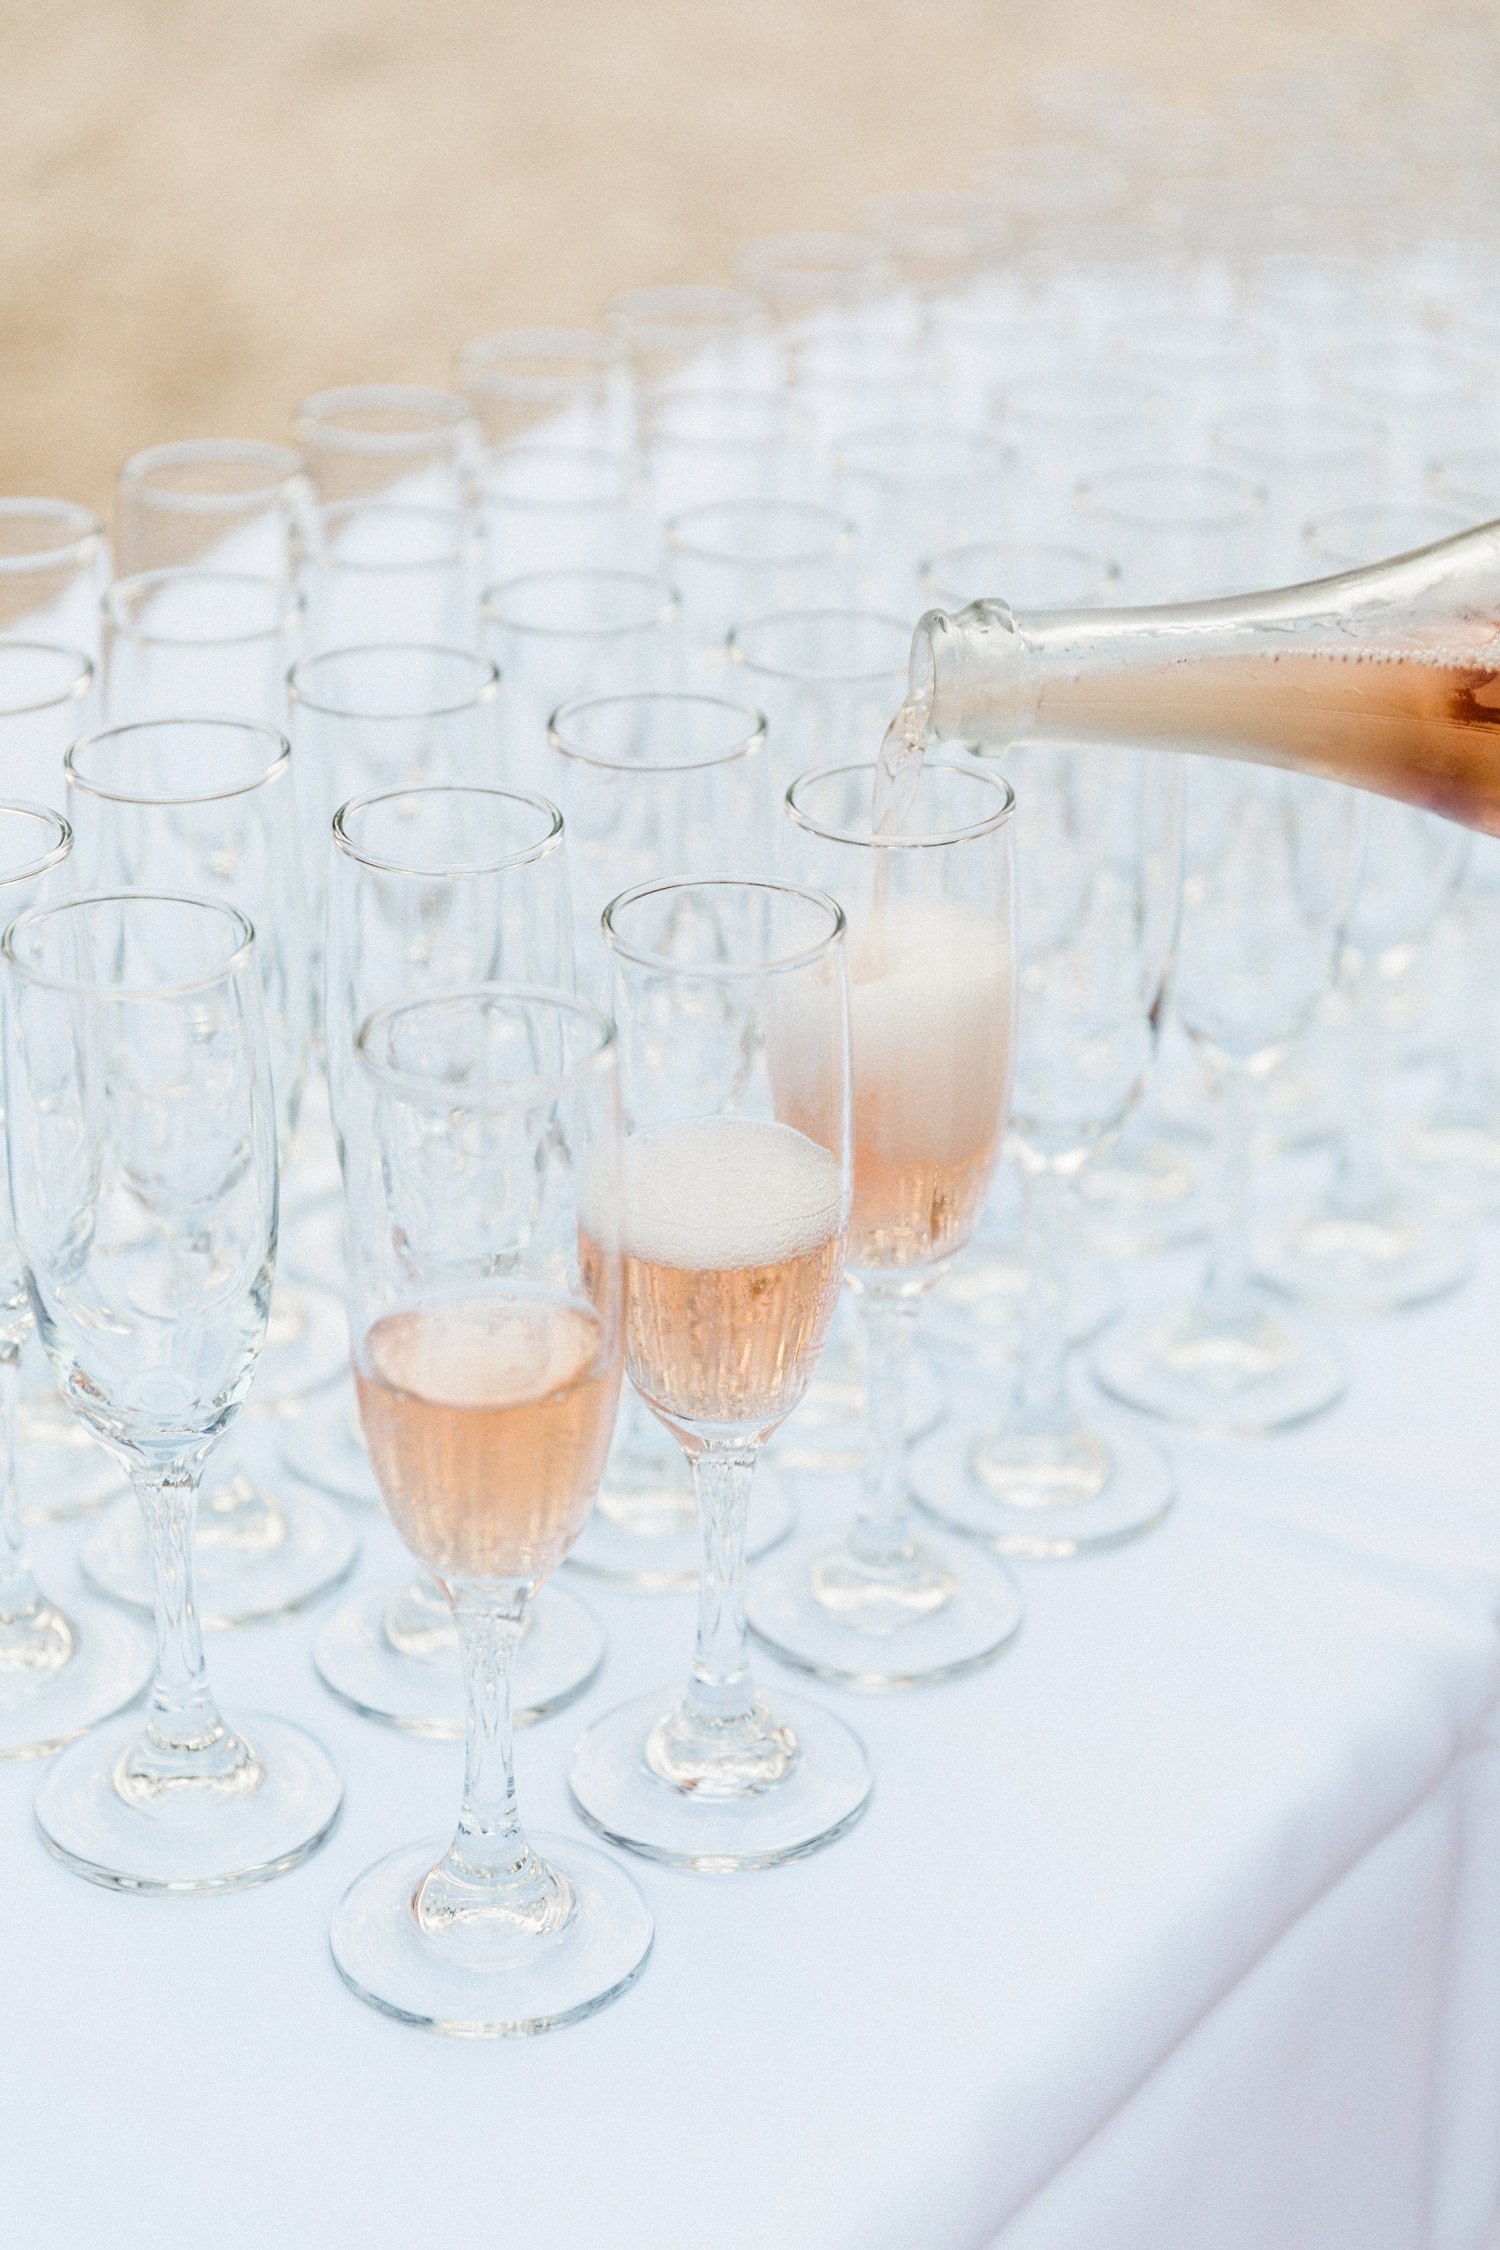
(1179, 1927)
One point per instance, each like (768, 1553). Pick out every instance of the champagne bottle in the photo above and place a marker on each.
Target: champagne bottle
(1387, 677)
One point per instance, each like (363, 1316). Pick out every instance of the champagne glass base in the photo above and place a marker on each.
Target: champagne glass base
(193, 1839)
(669, 1561)
(319, 1439)
(560, 1652)
(1362, 1266)
(1056, 1498)
(61, 1473)
(383, 1955)
(978, 1309)
(1147, 1194)
(878, 1645)
(310, 1547)
(829, 1436)
(1220, 1385)
(108, 1670)
(824, 1793)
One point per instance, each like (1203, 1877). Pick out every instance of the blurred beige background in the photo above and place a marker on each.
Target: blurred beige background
(213, 207)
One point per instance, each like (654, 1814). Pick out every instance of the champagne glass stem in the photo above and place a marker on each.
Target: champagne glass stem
(1359, 1183)
(721, 1688)
(1227, 1296)
(184, 1737)
(1042, 1385)
(489, 1870)
(882, 1529)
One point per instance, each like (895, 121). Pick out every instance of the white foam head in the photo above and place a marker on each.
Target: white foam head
(728, 1192)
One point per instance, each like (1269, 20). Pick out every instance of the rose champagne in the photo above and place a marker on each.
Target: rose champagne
(488, 1419)
(932, 1037)
(734, 1251)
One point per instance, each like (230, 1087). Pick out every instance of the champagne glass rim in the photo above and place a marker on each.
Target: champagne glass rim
(482, 360)
(519, 1093)
(673, 698)
(855, 617)
(139, 471)
(34, 916)
(53, 855)
(87, 532)
(801, 957)
(522, 856)
(668, 602)
(79, 686)
(143, 583)
(298, 676)
(906, 840)
(682, 313)
(680, 531)
(277, 763)
(445, 411)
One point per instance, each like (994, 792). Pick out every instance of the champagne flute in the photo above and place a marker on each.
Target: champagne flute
(1268, 866)
(205, 806)
(54, 567)
(932, 1006)
(483, 1190)
(433, 890)
(142, 1137)
(1099, 858)
(58, 1674)
(651, 786)
(223, 503)
(735, 1225)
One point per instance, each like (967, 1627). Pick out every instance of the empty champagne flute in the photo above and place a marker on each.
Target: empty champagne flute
(59, 1673)
(390, 441)
(932, 1008)
(47, 699)
(209, 503)
(206, 806)
(734, 1228)
(733, 559)
(1367, 1244)
(1098, 854)
(433, 890)
(653, 787)
(561, 633)
(1269, 863)
(549, 385)
(483, 1193)
(142, 1133)
(827, 680)
(375, 570)
(684, 335)
(54, 567)
(188, 641)
(384, 717)
(565, 507)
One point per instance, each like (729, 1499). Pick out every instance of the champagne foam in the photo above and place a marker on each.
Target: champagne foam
(728, 1192)
(488, 1352)
(931, 1032)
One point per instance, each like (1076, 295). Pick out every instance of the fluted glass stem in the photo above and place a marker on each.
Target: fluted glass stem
(721, 1687)
(882, 1532)
(1041, 1408)
(489, 1874)
(1227, 1296)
